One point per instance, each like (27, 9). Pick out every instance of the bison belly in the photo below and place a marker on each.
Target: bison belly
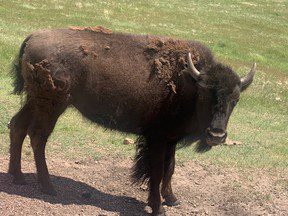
(119, 98)
(118, 91)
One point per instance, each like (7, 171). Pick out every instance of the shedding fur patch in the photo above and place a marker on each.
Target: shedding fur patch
(168, 57)
(84, 50)
(172, 85)
(44, 87)
(93, 29)
(37, 78)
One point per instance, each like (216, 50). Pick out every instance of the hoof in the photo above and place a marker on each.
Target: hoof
(49, 191)
(171, 200)
(171, 203)
(159, 214)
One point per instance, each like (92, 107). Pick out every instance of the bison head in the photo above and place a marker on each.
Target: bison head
(219, 90)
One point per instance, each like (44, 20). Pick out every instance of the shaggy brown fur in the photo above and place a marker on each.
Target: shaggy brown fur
(132, 83)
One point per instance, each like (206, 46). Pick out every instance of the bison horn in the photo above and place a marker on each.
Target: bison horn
(192, 70)
(247, 80)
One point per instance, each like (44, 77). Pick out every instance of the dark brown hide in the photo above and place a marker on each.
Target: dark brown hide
(131, 83)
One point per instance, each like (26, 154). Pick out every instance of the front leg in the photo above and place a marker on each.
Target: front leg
(157, 156)
(169, 165)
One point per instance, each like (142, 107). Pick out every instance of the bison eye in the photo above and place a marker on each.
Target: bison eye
(234, 103)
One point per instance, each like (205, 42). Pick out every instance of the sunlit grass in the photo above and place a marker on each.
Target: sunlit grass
(239, 33)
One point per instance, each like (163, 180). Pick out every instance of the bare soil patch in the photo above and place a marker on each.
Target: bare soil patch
(103, 187)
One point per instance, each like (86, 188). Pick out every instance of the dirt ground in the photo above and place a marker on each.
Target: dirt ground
(103, 188)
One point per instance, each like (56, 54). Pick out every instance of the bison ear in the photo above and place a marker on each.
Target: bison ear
(247, 80)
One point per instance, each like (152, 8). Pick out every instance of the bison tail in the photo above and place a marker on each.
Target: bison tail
(140, 169)
(16, 70)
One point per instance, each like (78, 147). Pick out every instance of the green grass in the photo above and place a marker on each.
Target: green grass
(238, 32)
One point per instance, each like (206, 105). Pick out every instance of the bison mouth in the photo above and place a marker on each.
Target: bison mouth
(215, 138)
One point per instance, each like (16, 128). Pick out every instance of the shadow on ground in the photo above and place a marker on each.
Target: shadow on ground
(70, 191)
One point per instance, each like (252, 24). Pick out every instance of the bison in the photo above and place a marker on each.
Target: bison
(164, 90)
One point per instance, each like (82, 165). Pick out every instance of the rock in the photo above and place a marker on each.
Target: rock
(128, 141)
(144, 187)
(231, 142)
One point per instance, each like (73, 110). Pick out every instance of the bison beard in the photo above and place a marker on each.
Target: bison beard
(146, 85)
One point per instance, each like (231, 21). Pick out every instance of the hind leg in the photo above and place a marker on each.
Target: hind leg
(42, 126)
(18, 131)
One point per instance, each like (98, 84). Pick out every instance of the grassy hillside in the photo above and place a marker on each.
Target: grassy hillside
(238, 32)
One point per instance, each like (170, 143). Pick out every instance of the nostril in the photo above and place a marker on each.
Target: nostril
(216, 130)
